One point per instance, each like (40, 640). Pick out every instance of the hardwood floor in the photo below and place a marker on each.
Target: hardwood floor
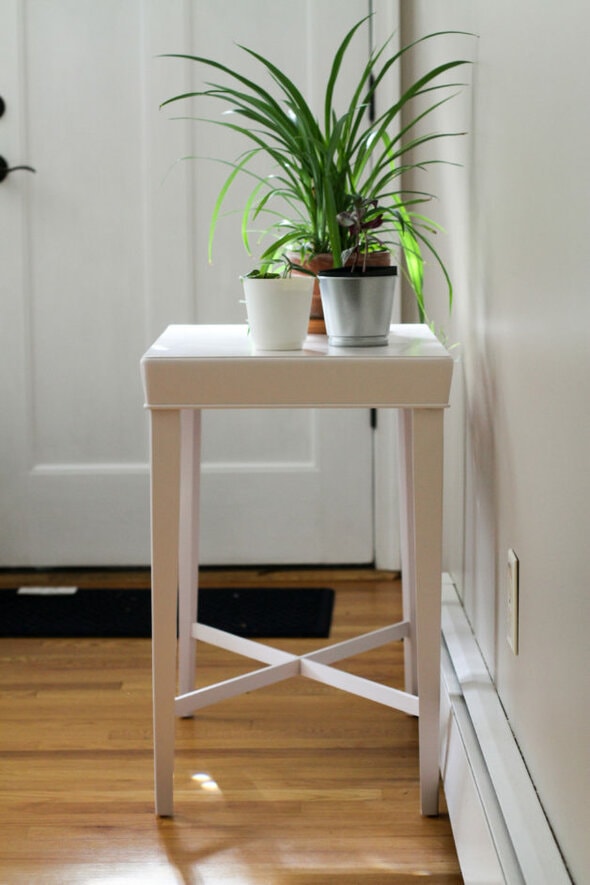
(297, 783)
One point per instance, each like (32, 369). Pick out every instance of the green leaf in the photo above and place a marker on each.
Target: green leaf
(307, 171)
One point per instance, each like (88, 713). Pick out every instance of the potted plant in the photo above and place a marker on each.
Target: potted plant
(314, 164)
(357, 297)
(278, 306)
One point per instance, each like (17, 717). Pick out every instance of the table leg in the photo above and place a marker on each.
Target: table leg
(424, 442)
(165, 475)
(188, 566)
(408, 552)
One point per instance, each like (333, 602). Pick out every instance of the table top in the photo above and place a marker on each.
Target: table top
(216, 366)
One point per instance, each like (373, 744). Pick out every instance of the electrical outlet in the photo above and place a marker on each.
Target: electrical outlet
(512, 601)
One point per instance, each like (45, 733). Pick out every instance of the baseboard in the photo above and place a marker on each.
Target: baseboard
(500, 830)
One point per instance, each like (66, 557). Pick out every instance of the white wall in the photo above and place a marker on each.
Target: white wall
(518, 217)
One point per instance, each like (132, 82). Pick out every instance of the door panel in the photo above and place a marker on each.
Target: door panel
(305, 477)
(284, 483)
(83, 252)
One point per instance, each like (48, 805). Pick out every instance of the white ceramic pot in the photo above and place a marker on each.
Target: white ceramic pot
(278, 311)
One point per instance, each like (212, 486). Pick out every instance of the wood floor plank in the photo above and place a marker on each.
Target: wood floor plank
(296, 783)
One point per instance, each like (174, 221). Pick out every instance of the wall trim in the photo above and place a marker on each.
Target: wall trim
(500, 830)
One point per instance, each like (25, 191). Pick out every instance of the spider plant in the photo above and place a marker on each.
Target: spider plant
(315, 164)
(284, 267)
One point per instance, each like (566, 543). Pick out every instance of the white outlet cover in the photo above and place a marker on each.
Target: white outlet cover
(512, 601)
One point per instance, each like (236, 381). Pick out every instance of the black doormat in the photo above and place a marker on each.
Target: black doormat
(250, 611)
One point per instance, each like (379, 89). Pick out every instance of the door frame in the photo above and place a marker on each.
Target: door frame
(386, 455)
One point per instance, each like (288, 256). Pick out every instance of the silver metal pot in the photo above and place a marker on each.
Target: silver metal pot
(358, 305)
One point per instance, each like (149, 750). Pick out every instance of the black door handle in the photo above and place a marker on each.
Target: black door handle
(5, 169)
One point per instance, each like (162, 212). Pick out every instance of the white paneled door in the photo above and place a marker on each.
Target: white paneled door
(104, 246)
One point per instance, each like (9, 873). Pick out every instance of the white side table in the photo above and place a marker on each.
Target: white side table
(190, 368)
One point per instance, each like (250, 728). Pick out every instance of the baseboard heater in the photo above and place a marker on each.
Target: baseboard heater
(500, 830)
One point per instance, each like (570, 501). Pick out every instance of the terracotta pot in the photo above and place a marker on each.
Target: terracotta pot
(323, 261)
